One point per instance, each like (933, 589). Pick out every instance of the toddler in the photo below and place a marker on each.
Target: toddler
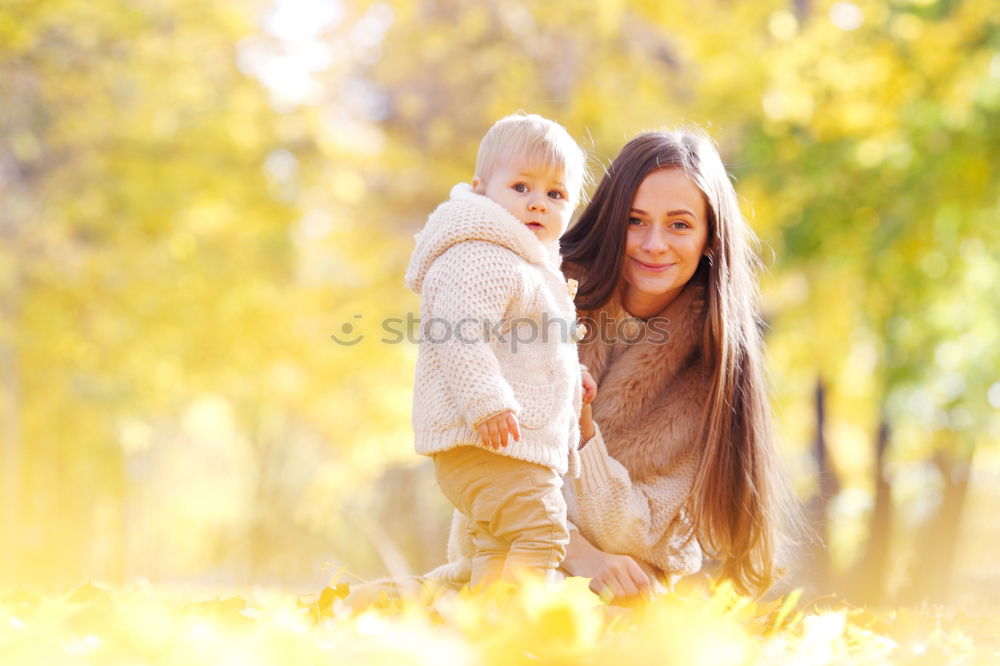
(498, 389)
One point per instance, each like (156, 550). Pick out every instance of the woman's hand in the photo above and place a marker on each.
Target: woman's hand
(616, 578)
(619, 578)
(586, 425)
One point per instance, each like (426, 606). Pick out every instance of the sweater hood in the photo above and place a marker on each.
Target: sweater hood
(468, 216)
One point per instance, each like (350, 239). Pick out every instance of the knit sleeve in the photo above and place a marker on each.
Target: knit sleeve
(641, 519)
(467, 294)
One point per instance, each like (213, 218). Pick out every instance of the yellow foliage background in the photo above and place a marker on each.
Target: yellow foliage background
(194, 196)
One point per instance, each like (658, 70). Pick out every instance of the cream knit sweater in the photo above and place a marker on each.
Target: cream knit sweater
(497, 334)
(630, 495)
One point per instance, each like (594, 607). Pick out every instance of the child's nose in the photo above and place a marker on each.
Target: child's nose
(537, 203)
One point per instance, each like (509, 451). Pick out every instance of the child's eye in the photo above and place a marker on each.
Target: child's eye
(520, 187)
(556, 194)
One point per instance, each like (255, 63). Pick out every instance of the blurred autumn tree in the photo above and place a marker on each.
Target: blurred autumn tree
(170, 390)
(136, 210)
(197, 195)
(877, 161)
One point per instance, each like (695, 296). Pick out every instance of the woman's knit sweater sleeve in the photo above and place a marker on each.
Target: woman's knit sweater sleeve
(641, 519)
(468, 290)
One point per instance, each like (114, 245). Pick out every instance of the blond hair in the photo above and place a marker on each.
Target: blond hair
(538, 139)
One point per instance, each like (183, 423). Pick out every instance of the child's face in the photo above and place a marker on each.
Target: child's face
(536, 195)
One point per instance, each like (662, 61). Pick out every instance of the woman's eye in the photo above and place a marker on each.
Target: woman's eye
(635, 221)
(521, 187)
(680, 224)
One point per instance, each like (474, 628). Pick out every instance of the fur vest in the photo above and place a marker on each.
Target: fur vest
(653, 381)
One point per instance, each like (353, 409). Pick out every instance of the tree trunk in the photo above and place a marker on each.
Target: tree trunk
(10, 378)
(817, 509)
(11, 498)
(866, 582)
(939, 538)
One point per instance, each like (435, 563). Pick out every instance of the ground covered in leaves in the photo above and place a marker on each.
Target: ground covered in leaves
(533, 625)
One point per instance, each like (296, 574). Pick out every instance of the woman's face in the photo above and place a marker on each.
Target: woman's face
(667, 234)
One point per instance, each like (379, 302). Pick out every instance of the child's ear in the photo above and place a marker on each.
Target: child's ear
(477, 185)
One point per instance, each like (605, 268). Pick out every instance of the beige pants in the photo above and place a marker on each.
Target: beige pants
(516, 511)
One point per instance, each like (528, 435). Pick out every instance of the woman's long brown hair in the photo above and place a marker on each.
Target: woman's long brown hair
(740, 502)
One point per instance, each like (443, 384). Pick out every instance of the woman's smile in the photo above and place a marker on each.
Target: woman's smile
(652, 267)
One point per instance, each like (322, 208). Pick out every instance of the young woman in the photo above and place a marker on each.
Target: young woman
(677, 456)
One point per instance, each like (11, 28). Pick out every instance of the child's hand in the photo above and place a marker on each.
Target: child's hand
(495, 431)
(587, 430)
(589, 387)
